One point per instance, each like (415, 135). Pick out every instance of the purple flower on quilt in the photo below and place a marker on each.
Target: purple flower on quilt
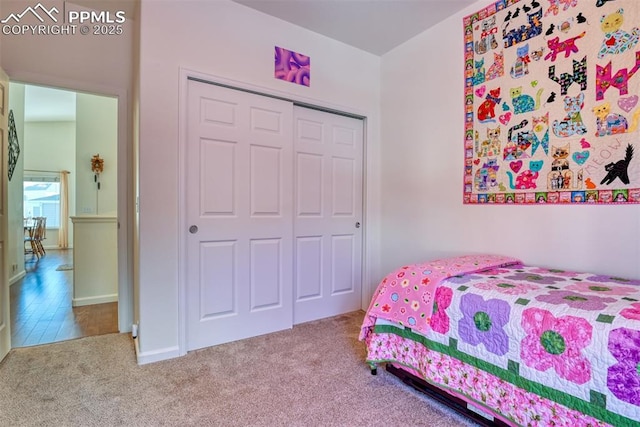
(535, 278)
(619, 280)
(623, 378)
(556, 343)
(576, 300)
(458, 280)
(506, 286)
(602, 288)
(439, 320)
(483, 322)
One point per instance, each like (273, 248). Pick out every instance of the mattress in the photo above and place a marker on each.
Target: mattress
(525, 344)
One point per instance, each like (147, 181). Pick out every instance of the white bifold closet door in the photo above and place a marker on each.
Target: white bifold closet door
(249, 186)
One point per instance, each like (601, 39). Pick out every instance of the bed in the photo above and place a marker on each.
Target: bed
(511, 344)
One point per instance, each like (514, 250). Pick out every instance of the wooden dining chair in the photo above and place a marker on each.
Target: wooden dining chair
(34, 232)
(30, 246)
(41, 234)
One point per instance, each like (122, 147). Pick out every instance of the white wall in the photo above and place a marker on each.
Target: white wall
(96, 133)
(15, 240)
(422, 214)
(51, 146)
(224, 39)
(75, 62)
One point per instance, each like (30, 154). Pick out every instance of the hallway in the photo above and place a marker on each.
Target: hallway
(41, 310)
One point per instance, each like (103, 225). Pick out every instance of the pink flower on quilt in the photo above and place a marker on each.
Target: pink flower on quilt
(632, 312)
(556, 343)
(602, 288)
(623, 378)
(575, 300)
(506, 286)
(439, 319)
(482, 322)
(426, 297)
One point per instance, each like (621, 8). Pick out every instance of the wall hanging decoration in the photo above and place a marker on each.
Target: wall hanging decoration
(97, 167)
(551, 102)
(14, 145)
(292, 66)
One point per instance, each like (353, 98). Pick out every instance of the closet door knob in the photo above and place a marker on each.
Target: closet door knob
(357, 225)
(193, 229)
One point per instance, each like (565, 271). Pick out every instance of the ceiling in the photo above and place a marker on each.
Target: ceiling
(376, 26)
(43, 104)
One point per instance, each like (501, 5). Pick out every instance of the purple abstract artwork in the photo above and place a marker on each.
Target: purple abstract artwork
(292, 67)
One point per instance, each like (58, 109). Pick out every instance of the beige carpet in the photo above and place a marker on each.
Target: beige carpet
(312, 375)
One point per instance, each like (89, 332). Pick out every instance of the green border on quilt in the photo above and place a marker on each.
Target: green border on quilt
(510, 375)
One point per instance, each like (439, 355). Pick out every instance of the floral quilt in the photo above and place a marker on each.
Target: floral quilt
(566, 344)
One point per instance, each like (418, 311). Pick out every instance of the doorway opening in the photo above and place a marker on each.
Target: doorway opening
(60, 131)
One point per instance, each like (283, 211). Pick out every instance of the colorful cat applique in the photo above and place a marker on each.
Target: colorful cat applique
(572, 124)
(561, 176)
(540, 126)
(616, 41)
(487, 37)
(497, 68)
(524, 32)
(487, 176)
(526, 180)
(490, 147)
(567, 46)
(565, 80)
(606, 79)
(523, 103)
(554, 6)
(609, 123)
(479, 74)
(521, 66)
(487, 110)
(518, 142)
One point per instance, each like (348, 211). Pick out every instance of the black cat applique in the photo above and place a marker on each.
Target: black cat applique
(619, 169)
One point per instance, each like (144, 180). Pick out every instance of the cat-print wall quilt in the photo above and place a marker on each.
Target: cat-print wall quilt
(552, 107)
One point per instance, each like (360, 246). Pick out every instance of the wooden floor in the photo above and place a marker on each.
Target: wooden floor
(41, 310)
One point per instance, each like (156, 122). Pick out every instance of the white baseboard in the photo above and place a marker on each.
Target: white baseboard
(156, 355)
(17, 277)
(100, 299)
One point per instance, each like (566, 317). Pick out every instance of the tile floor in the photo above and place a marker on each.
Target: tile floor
(41, 310)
